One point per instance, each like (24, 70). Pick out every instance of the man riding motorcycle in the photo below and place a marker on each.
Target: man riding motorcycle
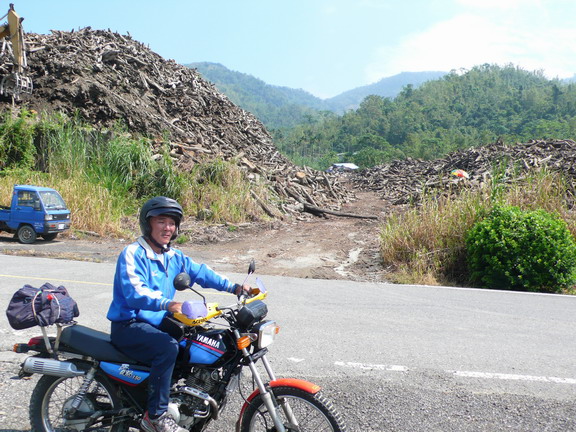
(143, 295)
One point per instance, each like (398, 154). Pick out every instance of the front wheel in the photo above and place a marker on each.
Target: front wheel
(49, 237)
(53, 396)
(311, 412)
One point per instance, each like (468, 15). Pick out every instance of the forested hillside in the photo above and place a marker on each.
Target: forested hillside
(276, 107)
(460, 110)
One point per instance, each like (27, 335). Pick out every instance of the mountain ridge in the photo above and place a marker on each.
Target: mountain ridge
(388, 87)
(280, 106)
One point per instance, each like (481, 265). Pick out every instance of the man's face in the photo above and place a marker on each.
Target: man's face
(163, 228)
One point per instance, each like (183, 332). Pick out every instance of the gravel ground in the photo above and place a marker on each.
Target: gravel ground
(395, 405)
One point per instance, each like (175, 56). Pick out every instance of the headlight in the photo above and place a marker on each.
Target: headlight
(48, 217)
(267, 332)
(251, 313)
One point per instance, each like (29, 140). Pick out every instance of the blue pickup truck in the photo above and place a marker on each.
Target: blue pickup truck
(34, 211)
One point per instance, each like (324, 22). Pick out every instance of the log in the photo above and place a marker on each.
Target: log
(319, 211)
(270, 211)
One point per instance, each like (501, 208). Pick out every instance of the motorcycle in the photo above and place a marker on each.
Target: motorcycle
(88, 384)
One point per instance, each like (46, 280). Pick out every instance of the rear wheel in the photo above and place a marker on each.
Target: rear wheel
(53, 396)
(312, 412)
(49, 237)
(26, 234)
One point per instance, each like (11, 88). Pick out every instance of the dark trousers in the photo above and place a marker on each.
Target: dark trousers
(145, 343)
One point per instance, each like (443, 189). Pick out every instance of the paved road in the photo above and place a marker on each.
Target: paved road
(402, 358)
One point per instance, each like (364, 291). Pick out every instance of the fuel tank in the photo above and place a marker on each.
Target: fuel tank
(209, 347)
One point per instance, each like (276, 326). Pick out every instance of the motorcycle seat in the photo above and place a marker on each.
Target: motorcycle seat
(93, 343)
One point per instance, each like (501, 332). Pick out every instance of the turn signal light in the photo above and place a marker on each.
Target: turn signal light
(20, 348)
(243, 342)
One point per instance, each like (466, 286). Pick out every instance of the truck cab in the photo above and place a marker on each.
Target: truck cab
(34, 211)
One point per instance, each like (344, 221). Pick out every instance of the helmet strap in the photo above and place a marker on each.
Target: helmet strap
(163, 248)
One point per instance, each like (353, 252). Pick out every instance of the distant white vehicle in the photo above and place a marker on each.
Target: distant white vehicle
(345, 166)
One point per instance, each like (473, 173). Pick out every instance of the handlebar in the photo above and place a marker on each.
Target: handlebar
(214, 310)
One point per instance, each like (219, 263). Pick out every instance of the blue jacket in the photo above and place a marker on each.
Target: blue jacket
(143, 283)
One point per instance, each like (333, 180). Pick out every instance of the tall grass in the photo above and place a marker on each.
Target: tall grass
(426, 244)
(218, 192)
(16, 144)
(104, 177)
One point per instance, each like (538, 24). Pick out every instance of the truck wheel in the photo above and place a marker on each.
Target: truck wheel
(26, 234)
(49, 237)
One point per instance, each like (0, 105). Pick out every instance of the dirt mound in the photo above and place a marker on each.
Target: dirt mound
(108, 78)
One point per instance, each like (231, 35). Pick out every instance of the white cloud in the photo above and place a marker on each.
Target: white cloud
(472, 38)
(498, 4)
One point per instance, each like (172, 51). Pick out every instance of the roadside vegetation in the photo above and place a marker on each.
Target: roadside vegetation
(427, 244)
(104, 177)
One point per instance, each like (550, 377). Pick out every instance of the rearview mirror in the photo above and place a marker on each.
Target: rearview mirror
(182, 281)
(251, 267)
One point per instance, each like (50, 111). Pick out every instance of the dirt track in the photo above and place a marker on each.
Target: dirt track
(321, 248)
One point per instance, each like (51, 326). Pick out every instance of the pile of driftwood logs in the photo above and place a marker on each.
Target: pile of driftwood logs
(405, 181)
(107, 78)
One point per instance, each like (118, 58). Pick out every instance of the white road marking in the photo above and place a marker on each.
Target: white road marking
(464, 374)
(52, 279)
(371, 366)
(501, 376)
(295, 360)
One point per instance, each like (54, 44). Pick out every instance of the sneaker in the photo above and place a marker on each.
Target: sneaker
(164, 423)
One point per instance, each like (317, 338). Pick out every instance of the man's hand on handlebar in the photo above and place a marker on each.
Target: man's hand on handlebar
(175, 307)
(243, 290)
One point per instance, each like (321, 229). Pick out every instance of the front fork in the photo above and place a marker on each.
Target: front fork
(283, 403)
(267, 394)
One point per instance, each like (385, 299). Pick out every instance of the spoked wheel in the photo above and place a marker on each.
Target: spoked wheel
(311, 412)
(52, 399)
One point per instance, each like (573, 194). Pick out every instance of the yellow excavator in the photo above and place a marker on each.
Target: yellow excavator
(12, 35)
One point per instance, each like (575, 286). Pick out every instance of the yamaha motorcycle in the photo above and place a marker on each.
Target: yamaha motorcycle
(88, 385)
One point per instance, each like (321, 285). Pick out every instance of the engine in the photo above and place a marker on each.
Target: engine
(184, 407)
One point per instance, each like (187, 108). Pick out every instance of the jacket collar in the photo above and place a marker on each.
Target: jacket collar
(150, 254)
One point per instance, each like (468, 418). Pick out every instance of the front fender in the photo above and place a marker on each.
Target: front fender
(282, 382)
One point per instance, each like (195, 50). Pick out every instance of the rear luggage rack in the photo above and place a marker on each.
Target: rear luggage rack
(53, 350)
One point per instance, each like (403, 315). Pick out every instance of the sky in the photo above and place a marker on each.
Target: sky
(327, 47)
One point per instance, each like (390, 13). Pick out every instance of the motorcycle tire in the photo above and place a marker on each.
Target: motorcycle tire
(312, 411)
(54, 395)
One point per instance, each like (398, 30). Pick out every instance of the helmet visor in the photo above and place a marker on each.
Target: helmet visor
(166, 212)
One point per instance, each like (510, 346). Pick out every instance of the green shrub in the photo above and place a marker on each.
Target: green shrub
(16, 142)
(521, 250)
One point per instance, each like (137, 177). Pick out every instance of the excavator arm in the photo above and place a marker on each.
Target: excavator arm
(12, 32)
